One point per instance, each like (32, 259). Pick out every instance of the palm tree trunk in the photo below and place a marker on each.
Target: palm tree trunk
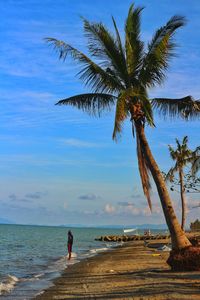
(183, 202)
(178, 237)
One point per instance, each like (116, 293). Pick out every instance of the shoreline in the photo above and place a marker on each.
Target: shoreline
(130, 271)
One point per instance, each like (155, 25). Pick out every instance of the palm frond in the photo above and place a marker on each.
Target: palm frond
(104, 45)
(196, 166)
(196, 152)
(143, 169)
(172, 152)
(147, 109)
(93, 104)
(196, 161)
(189, 159)
(119, 44)
(92, 74)
(185, 141)
(134, 46)
(183, 156)
(179, 146)
(121, 114)
(186, 108)
(160, 51)
(170, 175)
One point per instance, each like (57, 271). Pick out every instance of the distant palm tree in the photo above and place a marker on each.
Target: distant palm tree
(196, 161)
(120, 75)
(182, 156)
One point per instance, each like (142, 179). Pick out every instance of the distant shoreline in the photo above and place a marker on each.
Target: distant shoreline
(141, 227)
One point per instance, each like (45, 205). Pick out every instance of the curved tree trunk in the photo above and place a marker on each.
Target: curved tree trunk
(178, 237)
(183, 201)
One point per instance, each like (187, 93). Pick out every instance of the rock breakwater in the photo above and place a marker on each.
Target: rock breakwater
(127, 238)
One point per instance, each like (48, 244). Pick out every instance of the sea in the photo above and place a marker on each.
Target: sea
(31, 257)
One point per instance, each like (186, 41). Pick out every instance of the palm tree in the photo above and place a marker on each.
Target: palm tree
(182, 156)
(120, 74)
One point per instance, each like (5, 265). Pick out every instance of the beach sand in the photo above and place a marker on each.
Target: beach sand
(131, 271)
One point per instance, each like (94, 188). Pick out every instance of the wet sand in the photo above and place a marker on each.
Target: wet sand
(131, 271)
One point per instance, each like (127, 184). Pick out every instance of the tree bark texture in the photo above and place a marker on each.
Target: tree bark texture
(178, 237)
(183, 201)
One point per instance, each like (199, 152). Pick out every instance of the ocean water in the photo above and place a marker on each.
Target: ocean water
(32, 256)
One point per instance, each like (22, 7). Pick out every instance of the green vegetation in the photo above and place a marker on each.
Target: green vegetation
(195, 226)
(191, 183)
(182, 156)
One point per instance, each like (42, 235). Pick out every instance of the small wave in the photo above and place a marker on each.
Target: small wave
(32, 277)
(98, 250)
(60, 264)
(73, 255)
(39, 275)
(85, 255)
(8, 284)
(39, 294)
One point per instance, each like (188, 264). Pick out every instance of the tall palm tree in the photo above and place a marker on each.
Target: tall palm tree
(120, 74)
(182, 156)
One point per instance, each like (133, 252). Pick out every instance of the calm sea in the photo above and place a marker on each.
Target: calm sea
(32, 256)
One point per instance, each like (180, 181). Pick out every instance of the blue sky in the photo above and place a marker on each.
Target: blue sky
(58, 165)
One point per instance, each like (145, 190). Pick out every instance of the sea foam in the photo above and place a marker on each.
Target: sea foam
(93, 251)
(8, 284)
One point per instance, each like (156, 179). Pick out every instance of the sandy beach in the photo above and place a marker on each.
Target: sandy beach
(131, 271)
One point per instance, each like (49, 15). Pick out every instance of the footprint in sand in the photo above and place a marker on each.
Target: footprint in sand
(85, 287)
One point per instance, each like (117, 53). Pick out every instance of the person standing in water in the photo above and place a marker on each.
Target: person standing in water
(70, 243)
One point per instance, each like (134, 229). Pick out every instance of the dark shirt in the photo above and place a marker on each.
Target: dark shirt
(70, 239)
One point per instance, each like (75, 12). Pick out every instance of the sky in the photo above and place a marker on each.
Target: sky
(57, 164)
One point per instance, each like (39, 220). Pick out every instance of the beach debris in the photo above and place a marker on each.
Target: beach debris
(165, 248)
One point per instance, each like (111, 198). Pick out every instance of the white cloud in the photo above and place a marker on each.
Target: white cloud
(125, 203)
(79, 143)
(156, 209)
(145, 211)
(133, 210)
(109, 208)
(140, 211)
